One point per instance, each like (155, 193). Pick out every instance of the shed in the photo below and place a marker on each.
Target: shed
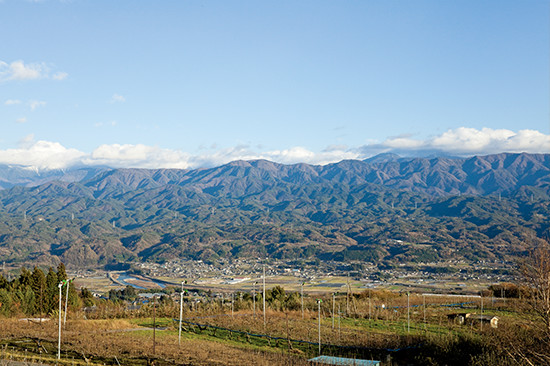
(458, 318)
(461, 318)
(490, 319)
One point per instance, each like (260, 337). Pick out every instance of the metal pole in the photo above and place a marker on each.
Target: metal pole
(59, 331)
(319, 316)
(264, 291)
(254, 298)
(181, 313)
(66, 301)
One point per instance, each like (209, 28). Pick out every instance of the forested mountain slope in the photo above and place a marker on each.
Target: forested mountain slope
(485, 207)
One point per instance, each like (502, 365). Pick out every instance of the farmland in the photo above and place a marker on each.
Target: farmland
(374, 324)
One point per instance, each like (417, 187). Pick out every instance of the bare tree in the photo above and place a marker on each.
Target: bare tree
(528, 344)
(536, 273)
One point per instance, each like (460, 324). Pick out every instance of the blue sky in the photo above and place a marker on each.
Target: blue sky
(186, 84)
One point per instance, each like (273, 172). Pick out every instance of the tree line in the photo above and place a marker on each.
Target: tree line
(35, 293)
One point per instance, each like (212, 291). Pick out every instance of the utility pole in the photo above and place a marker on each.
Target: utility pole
(319, 316)
(59, 330)
(232, 301)
(181, 312)
(333, 310)
(264, 291)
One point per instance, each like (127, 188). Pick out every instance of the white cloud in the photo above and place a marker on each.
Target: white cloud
(404, 143)
(137, 156)
(302, 155)
(33, 104)
(60, 76)
(287, 156)
(12, 102)
(116, 98)
(36, 103)
(461, 141)
(21, 120)
(18, 70)
(42, 155)
(465, 141)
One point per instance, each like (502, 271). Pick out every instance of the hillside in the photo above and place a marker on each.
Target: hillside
(384, 209)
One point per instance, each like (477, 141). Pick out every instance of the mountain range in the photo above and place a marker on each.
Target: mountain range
(385, 209)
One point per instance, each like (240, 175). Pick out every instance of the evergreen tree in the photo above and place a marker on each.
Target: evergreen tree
(26, 300)
(25, 277)
(5, 302)
(61, 273)
(38, 284)
(87, 297)
(52, 290)
(4, 282)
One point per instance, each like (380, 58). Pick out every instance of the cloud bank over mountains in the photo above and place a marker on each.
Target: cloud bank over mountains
(465, 141)
(47, 155)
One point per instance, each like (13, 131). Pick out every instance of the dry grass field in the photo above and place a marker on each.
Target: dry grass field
(100, 341)
(379, 326)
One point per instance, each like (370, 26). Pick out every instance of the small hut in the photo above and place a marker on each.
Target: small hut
(462, 318)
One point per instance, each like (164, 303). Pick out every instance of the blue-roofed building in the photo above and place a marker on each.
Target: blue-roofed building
(342, 361)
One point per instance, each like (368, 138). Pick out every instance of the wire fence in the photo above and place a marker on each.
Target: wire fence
(290, 342)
